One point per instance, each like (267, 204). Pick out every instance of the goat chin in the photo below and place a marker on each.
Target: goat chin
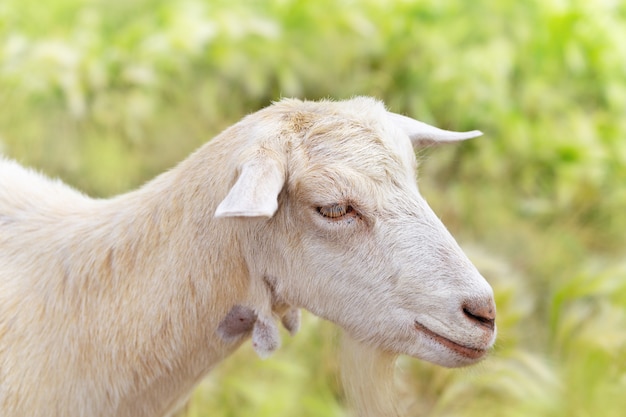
(367, 374)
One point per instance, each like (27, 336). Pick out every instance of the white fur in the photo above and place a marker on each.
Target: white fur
(119, 307)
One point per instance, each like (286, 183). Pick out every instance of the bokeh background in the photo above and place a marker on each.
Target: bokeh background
(105, 94)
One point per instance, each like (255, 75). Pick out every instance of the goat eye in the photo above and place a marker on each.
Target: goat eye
(335, 211)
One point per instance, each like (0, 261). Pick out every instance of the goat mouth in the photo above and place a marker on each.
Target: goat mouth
(466, 351)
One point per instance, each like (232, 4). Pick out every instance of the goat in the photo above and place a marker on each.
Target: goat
(120, 306)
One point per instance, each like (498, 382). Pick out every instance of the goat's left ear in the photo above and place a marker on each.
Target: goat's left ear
(422, 134)
(256, 191)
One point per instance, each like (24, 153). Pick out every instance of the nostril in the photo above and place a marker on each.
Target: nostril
(483, 314)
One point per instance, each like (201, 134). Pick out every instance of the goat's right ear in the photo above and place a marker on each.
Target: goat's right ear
(256, 191)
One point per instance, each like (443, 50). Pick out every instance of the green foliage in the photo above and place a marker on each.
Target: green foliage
(106, 94)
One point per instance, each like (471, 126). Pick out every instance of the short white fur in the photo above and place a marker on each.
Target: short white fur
(119, 307)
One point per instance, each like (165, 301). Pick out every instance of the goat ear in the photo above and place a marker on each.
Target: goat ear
(256, 191)
(422, 134)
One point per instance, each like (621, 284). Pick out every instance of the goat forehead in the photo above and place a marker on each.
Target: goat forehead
(353, 135)
(352, 144)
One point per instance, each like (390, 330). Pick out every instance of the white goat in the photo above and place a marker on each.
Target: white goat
(119, 307)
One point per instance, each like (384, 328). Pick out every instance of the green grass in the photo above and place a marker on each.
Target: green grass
(107, 94)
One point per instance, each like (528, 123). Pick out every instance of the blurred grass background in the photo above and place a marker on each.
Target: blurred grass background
(106, 94)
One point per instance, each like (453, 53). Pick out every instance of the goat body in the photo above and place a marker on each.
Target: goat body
(119, 307)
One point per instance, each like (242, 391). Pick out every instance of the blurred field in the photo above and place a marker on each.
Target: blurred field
(106, 94)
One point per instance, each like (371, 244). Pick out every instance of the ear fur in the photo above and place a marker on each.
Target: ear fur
(256, 191)
(422, 134)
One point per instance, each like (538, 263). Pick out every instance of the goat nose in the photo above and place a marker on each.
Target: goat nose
(482, 313)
